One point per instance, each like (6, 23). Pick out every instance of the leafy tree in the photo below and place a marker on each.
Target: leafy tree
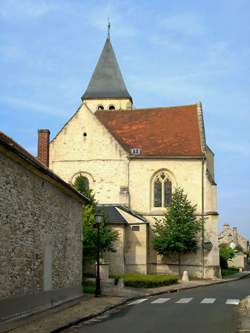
(81, 184)
(107, 235)
(177, 232)
(226, 254)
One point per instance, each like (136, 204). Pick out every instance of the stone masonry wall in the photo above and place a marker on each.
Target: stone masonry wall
(40, 233)
(100, 158)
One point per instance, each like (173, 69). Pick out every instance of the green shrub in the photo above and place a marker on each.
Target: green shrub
(229, 271)
(226, 253)
(89, 275)
(89, 287)
(147, 281)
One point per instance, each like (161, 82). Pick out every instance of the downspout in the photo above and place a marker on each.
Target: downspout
(129, 201)
(202, 218)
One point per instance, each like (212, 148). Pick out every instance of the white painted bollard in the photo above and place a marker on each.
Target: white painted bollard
(185, 277)
(104, 272)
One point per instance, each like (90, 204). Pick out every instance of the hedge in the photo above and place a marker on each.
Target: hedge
(147, 281)
(89, 287)
(229, 271)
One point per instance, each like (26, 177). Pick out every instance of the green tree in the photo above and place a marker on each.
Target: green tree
(177, 232)
(226, 254)
(107, 235)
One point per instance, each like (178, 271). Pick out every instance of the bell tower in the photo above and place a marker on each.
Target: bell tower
(107, 89)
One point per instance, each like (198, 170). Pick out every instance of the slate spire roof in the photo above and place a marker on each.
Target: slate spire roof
(107, 80)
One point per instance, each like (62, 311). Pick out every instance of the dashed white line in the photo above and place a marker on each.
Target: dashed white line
(138, 301)
(208, 300)
(184, 300)
(160, 300)
(232, 301)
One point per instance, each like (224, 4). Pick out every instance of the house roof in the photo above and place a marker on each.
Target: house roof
(107, 80)
(167, 131)
(21, 154)
(118, 214)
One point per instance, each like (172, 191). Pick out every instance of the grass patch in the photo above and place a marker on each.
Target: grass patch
(89, 287)
(229, 271)
(147, 281)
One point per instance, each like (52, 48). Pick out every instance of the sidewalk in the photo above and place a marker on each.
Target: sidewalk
(245, 315)
(88, 307)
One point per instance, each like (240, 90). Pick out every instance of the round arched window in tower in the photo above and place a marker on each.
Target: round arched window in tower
(100, 107)
(111, 107)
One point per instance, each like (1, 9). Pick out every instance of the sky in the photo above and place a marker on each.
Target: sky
(170, 53)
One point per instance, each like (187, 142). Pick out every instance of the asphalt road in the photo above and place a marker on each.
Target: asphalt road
(189, 315)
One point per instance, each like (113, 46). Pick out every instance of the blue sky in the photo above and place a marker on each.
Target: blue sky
(170, 52)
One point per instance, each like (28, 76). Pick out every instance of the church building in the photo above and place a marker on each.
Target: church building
(133, 159)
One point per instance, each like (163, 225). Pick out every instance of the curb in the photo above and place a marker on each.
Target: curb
(81, 320)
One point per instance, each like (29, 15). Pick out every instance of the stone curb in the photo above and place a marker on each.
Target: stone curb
(108, 308)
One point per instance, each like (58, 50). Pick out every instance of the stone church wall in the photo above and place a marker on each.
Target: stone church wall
(40, 233)
(103, 161)
(187, 174)
(97, 156)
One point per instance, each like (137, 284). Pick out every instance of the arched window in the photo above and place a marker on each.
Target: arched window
(100, 107)
(111, 107)
(162, 190)
(81, 184)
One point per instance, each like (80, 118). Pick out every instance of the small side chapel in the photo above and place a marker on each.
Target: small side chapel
(132, 159)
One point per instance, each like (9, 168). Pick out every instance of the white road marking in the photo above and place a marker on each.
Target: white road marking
(160, 300)
(232, 301)
(138, 301)
(208, 300)
(184, 300)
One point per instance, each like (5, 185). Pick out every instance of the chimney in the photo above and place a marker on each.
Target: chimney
(226, 226)
(235, 235)
(43, 146)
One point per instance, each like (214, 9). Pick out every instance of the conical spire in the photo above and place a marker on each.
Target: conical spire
(107, 80)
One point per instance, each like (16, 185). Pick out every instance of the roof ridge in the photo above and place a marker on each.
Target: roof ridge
(150, 108)
(25, 155)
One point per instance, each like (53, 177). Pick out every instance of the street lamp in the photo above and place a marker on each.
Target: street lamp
(98, 221)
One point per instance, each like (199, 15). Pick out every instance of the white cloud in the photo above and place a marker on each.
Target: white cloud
(165, 42)
(98, 18)
(182, 86)
(235, 148)
(185, 24)
(11, 52)
(27, 105)
(25, 8)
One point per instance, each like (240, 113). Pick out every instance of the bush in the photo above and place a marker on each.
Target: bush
(147, 281)
(229, 271)
(89, 287)
(226, 253)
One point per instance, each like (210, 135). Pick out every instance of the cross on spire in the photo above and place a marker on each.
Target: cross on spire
(109, 25)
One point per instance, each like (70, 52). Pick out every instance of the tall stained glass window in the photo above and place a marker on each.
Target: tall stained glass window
(162, 188)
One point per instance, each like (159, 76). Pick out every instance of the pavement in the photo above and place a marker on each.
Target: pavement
(88, 308)
(245, 315)
(210, 309)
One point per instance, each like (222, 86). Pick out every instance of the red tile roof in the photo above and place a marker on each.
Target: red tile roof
(170, 131)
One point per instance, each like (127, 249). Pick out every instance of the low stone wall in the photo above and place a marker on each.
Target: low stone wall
(194, 271)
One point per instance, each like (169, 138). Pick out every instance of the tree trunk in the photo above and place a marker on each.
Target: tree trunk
(179, 263)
